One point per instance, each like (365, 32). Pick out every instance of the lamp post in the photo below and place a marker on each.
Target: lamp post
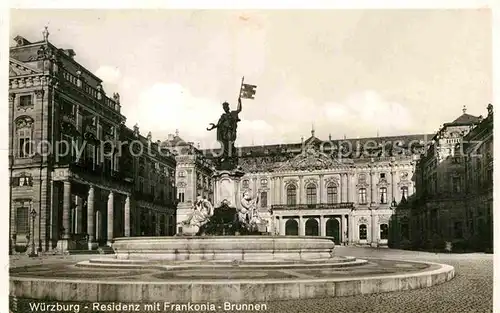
(33, 250)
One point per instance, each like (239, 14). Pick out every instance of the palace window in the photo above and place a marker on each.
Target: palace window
(263, 182)
(384, 231)
(383, 195)
(245, 184)
(263, 199)
(291, 195)
(23, 180)
(311, 195)
(331, 194)
(25, 100)
(182, 174)
(362, 195)
(22, 218)
(362, 232)
(25, 145)
(382, 175)
(180, 195)
(404, 193)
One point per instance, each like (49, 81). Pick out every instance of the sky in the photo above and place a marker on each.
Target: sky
(352, 73)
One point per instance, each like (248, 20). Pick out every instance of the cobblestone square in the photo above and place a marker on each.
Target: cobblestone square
(470, 291)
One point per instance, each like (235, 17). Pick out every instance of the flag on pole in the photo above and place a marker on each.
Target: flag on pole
(248, 91)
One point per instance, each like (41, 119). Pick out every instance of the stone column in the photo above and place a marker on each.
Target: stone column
(372, 187)
(127, 217)
(351, 189)
(321, 191)
(280, 190)
(322, 226)
(78, 215)
(302, 226)
(254, 191)
(110, 217)
(66, 209)
(301, 188)
(344, 228)
(351, 229)
(270, 194)
(282, 226)
(277, 228)
(374, 235)
(343, 185)
(393, 186)
(90, 217)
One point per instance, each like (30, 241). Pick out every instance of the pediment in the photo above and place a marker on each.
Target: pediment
(310, 159)
(17, 68)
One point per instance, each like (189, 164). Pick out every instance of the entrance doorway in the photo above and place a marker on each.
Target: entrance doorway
(333, 229)
(291, 228)
(312, 227)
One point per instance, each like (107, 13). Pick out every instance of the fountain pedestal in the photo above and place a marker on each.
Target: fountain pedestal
(227, 187)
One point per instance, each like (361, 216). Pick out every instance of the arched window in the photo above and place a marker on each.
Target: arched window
(291, 195)
(311, 195)
(404, 193)
(331, 194)
(362, 195)
(24, 133)
(263, 199)
(384, 231)
(383, 195)
(362, 232)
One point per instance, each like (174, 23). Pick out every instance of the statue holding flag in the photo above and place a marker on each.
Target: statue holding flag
(227, 125)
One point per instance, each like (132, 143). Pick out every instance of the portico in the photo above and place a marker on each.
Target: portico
(331, 221)
(87, 213)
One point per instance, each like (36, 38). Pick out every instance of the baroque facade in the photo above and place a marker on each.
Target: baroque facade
(454, 182)
(74, 185)
(346, 189)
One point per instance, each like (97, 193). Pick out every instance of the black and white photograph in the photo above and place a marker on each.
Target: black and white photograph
(249, 160)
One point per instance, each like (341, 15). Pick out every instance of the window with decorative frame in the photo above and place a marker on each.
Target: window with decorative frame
(383, 195)
(362, 232)
(180, 195)
(404, 192)
(25, 145)
(384, 231)
(362, 196)
(291, 195)
(22, 180)
(25, 100)
(311, 194)
(331, 194)
(263, 199)
(23, 217)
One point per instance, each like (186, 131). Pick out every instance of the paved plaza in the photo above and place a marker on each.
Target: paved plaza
(470, 291)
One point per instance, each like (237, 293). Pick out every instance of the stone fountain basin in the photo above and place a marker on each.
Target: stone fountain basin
(224, 248)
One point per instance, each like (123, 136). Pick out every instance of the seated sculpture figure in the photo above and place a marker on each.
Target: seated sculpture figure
(200, 215)
(248, 214)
